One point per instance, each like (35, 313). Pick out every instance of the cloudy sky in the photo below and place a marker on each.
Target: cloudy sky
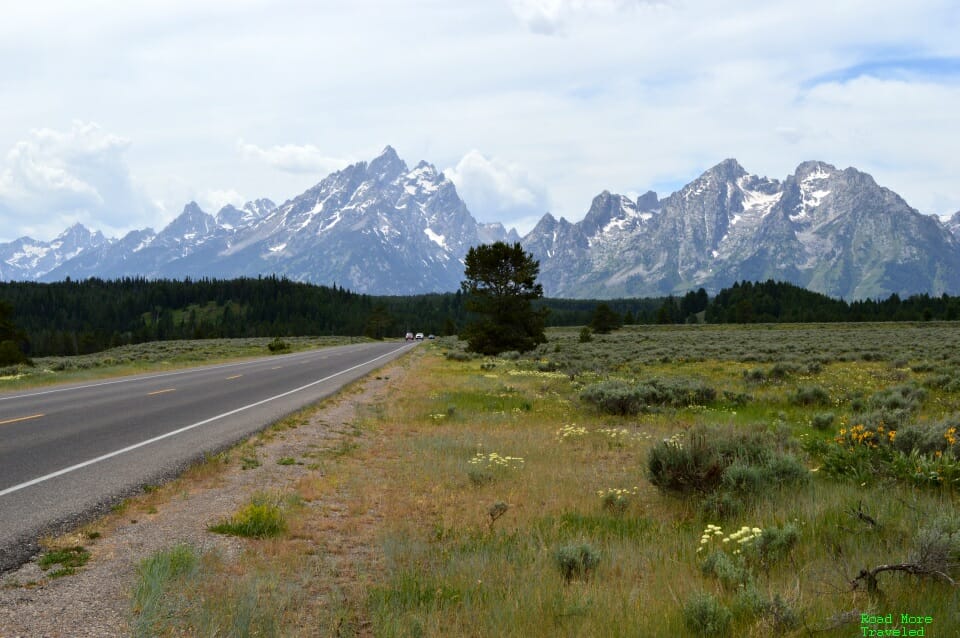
(115, 114)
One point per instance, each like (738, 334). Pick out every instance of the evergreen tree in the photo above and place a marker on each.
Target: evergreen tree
(500, 285)
(11, 338)
(604, 319)
(379, 322)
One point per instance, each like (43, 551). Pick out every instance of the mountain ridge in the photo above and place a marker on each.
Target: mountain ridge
(381, 227)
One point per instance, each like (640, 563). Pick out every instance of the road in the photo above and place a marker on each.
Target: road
(67, 453)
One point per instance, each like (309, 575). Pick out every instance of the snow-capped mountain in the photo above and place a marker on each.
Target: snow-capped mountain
(376, 227)
(953, 224)
(836, 232)
(26, 258)
(381, 227)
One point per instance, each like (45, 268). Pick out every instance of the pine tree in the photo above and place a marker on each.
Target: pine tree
(500, 286)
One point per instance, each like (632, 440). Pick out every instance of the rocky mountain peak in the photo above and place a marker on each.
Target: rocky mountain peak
(547, 224)
(77, 238)
(192, 209)
(605, 209)
(229, 216)
(260, 207)
(815, 169)
(77, 231)
(386, 167)
(953, 224)
(190, 224)
(729, 170)
(648, 201)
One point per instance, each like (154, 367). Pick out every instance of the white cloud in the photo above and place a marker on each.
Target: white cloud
(495, 190)
(548, 17)
(292, 158)
(57, 178)
(634, 95)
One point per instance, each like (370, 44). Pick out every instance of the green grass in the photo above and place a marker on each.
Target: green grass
(444, 568)
(67, 561)
(180, 591)
(261, 518)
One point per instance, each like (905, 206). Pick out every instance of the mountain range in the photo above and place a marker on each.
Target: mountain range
(380, 227)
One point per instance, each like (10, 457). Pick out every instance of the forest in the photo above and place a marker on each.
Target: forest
(82, 317)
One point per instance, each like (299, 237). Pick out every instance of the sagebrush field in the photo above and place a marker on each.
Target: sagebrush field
(698, 480)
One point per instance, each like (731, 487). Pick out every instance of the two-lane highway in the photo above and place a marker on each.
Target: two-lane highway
(67, 452)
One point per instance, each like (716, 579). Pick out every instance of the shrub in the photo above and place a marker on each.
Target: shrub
(782, 616)
(459, 355)
(616, 500)
(810, 395)
(936, 547)
(883, 418)
(258, 519)
(758, 459)
(929, 438)
(781, 371)
(586, 335)
(787, 469)
(776, 543)
(738, 399)
(695, 467)
(10, 354)
(614, 397)
(742, 478)
(677, 393)
(729, 570)
(623, 398)
(938, 381)
(823, 421)
(905, 397)
(720, 506)
(278, 345)
(576, 561)
(480, 477)
(706, 616)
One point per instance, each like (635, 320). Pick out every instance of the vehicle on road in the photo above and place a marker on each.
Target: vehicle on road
(419, 336)
(409, 336)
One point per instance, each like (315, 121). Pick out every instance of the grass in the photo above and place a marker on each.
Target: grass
(67, 560)
(179, 591)
(151, 357)
(262, 517)
(563, 557)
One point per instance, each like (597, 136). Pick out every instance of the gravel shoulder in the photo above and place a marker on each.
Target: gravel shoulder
(95, 602)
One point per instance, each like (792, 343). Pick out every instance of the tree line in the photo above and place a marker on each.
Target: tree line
(80, 317)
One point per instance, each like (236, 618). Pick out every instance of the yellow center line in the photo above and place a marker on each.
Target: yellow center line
(150, 394)
(236, 376)
(22, 418)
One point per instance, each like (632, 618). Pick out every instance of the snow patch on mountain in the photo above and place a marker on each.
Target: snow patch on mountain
(439, 240)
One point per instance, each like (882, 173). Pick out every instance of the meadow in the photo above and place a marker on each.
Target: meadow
(787, 480)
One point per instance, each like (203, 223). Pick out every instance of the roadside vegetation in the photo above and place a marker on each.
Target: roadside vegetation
(669, 481)
(150, 357)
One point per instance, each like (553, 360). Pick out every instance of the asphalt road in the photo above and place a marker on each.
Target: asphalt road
(67, 453)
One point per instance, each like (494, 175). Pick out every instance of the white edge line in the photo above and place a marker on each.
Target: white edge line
(129, 448)
(158, 376)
